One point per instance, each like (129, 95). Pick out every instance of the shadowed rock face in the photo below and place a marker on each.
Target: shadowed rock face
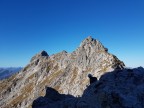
(118, 89)
(65, 72)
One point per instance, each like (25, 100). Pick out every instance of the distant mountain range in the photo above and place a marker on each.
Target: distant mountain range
(8, 71)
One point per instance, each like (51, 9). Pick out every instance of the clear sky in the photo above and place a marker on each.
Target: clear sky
(29, 26)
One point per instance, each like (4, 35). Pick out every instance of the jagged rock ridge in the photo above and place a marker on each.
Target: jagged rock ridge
(65, 72)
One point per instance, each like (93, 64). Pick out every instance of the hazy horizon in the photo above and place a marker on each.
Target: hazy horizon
(30, 26)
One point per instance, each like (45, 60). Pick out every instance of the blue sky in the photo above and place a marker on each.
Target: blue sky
(29, 26)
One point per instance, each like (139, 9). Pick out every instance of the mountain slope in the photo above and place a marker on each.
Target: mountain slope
(66, 72)
(118, 89)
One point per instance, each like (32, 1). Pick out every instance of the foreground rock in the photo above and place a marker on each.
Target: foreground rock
(117, 89)
(65, 72)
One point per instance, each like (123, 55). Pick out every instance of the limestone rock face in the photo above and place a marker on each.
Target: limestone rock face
(65, 72)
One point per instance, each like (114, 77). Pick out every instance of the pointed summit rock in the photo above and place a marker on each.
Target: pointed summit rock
(39, 55)
(44, 53)
(65, 72)
(90, 43)
(92, 54)
(90, 46)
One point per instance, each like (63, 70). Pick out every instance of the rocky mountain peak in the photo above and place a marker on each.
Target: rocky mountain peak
(43, 53)
(88, 39)
(40, 55)
(65, 72)
(91, 44)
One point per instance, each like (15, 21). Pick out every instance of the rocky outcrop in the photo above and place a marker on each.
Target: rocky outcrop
(117, 89)
(65, 72)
